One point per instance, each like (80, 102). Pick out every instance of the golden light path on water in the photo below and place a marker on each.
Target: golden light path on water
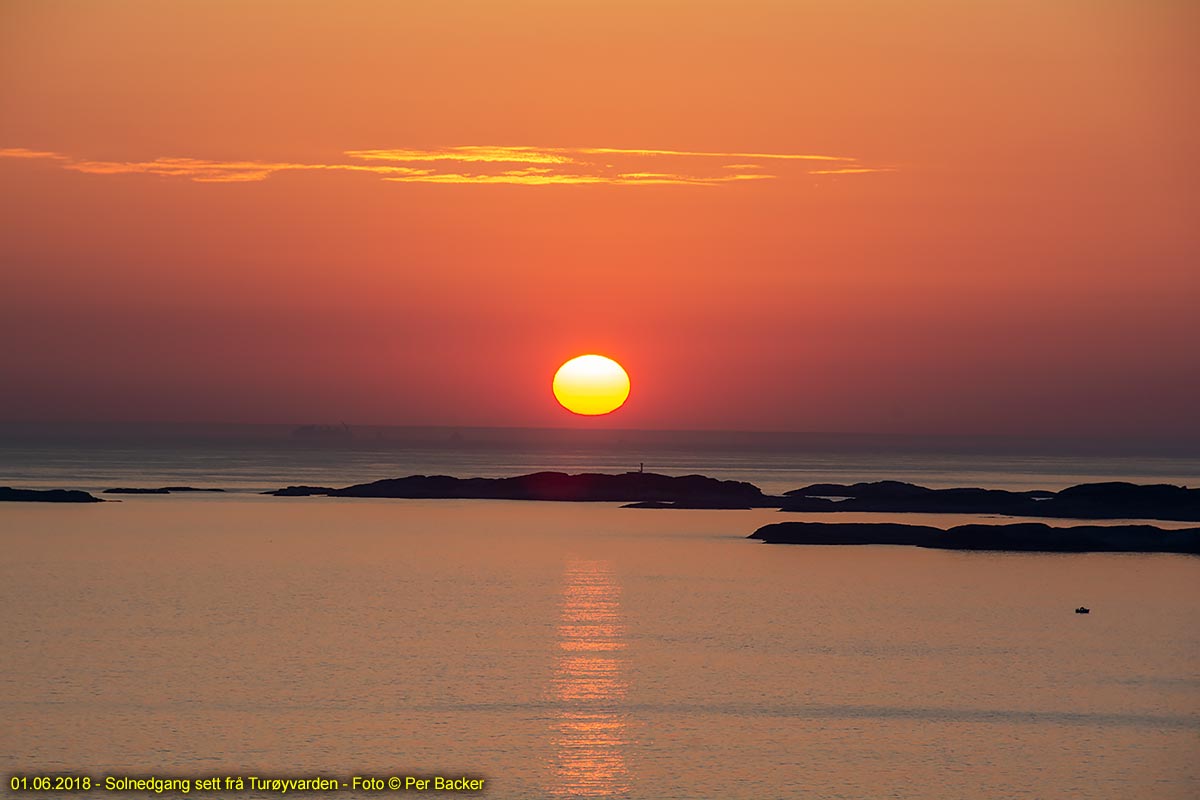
(588, 686)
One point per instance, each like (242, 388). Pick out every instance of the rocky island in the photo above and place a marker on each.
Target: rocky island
(687, 491)
(8, 494)
(1027, 536)
(1111, 500)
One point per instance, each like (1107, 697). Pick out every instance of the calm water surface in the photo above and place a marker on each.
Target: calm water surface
(565, 650)
(258, 466)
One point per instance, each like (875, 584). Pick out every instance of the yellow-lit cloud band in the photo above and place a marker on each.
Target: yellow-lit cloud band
(478, 164)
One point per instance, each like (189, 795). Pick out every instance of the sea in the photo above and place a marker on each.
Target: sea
(558, 650)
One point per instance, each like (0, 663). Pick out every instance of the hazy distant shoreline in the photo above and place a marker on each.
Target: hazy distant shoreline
(450, 437)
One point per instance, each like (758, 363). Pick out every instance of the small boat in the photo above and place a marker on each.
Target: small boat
(1083, 610)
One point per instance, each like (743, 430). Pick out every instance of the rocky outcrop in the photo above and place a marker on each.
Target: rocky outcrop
(691, 491)
(46, 496)
(1027, 536)
(302, 491)
(1113, 500)
(651, 490)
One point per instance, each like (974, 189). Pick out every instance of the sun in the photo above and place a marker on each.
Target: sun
(591, 385)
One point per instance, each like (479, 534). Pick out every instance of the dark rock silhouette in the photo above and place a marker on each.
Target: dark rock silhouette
(693, 491)
(1083, 610)
(1114, 500)
(878, 490)
(1028, 536)
(303, 491)
(847, 533)
(46, 496)
(651, 490)
(160, 490)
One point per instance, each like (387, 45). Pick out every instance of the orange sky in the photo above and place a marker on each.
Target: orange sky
(413, 212)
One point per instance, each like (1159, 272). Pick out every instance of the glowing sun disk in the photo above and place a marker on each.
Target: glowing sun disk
(591, 385)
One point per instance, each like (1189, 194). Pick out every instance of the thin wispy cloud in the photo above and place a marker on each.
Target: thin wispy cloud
(21, 152)
(492, 164)
(851, 170)
(700, 154)
(223, 171)
(470, 154)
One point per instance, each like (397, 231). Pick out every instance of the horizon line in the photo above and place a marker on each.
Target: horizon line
(1130, 439)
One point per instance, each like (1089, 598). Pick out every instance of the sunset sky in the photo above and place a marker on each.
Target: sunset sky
(909, 217)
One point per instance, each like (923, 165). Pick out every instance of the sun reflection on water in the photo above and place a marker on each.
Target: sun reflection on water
(588, 686)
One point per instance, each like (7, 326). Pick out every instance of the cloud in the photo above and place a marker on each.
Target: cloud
(222, 171)
(851, 171)
(516, 178)
(21, 152)
(695, 154)
(492, 164)
(470, 154)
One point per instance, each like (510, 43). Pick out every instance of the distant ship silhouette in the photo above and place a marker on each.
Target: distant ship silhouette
(323, 433)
